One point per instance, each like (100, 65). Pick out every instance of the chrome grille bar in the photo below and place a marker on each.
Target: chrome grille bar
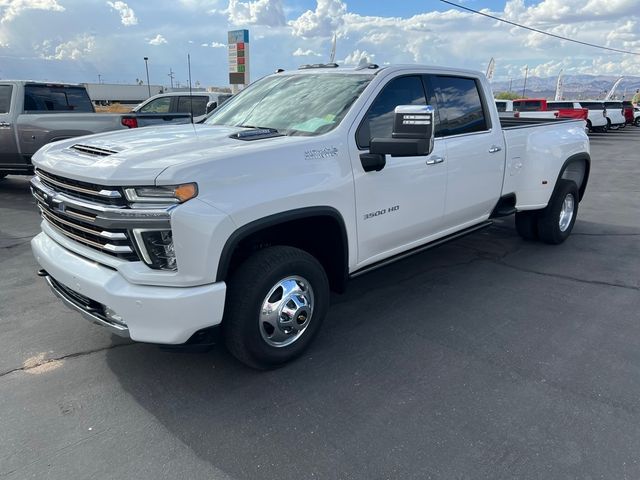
(108, 247)
(69, 186)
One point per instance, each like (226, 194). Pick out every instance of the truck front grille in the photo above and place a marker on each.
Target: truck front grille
(86, 191)
(80, 224)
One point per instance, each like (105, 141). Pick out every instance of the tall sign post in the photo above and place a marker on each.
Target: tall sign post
(238, 59)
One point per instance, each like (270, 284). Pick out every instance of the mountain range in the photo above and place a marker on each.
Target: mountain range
(576, 87)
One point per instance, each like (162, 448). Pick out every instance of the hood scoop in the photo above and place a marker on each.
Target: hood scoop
(94, 151)
(256, 134)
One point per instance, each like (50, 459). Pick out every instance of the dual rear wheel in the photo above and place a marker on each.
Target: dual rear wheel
(553, 224)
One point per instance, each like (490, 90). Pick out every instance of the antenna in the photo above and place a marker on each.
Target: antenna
(190, 95)
(332, 56)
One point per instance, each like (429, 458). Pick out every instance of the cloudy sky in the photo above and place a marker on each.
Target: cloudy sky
(75, 40)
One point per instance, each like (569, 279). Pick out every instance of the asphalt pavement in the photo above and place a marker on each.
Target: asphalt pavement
(489, 357)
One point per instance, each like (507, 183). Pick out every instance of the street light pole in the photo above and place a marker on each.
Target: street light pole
(146, 66)
(526, 74)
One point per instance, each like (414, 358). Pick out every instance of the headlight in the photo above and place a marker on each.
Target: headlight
(156, 248)
(163, 194)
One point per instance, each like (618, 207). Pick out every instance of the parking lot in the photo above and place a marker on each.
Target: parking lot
(488, 357)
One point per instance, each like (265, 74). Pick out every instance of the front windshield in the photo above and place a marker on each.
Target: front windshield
(307, 104)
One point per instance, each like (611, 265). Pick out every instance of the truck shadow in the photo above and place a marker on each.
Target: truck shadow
(394, 349)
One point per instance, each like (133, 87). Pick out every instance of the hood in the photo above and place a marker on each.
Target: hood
(138, 156)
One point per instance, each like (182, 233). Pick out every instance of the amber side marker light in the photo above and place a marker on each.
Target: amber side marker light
(186, 191)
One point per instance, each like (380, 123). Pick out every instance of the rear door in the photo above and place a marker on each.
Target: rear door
(8, 144)
(475, 149)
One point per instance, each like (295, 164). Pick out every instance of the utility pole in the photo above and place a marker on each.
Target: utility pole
(510, 83)
(146, 66)
(526, 73)
(171, 75)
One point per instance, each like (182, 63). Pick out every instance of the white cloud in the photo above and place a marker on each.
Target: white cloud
(157, 40)
(357, 56)
(127, 15)
(214, 45)
(258, 12)
(10, 9)
(74, 49)
(299, 52)
(323, 21)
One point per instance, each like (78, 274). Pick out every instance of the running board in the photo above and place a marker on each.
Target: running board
(421, 248)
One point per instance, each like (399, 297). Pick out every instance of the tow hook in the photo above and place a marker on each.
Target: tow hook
(42, 273)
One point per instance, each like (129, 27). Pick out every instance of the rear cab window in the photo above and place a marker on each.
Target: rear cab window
(554, 105)
(196, 102)
(527, 106)
(48, 98)
(5, 98)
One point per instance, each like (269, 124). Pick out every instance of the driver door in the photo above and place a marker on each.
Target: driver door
(402, 205)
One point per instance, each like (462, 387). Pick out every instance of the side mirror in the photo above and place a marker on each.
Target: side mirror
(413, 133)
(211, 106)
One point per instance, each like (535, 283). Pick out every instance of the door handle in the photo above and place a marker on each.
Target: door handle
(435, 159)
(495, 149)
(5, 124)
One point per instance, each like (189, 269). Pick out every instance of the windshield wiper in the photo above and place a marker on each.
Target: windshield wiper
(259, 128)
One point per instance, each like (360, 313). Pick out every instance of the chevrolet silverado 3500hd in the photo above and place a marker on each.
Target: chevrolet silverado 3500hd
(305, 179)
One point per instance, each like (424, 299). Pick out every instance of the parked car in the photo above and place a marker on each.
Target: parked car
(200, 103)
(636, 116)
(532, 108)
(627, 108)
(596, 117)
(504, 105)
(180, 229)
(33, 114)
(615, 114)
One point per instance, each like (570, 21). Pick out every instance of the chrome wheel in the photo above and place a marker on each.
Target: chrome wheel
(566, 213)
(286, 311)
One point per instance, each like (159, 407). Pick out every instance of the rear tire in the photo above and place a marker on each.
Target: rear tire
(637, 122)
(527, 225)
(276, 301)
(556, 221)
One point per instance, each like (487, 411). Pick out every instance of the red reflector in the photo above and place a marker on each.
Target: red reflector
(130, 122)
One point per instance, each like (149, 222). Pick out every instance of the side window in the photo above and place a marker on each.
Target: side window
(199, 105)
(459, 105)
(378, 122)
(159, 105)
(5, 98)
(56, 98)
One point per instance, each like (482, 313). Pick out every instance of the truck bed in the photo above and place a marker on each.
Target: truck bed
(513, 122)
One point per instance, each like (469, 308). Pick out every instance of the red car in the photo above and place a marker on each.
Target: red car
(562, 110)
(628, 112)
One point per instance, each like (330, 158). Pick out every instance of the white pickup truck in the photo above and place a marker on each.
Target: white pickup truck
(305, 179)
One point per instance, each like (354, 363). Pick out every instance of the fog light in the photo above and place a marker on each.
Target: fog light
(157, 248)
(112, 316)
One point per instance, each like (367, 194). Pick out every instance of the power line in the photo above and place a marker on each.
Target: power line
(628, 52)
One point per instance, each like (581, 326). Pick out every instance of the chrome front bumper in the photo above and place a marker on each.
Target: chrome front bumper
(94, 315)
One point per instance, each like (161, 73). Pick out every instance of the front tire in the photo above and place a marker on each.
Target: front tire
(276, 302)
(556, 221)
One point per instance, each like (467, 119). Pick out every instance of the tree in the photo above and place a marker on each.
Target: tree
(507, 96)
